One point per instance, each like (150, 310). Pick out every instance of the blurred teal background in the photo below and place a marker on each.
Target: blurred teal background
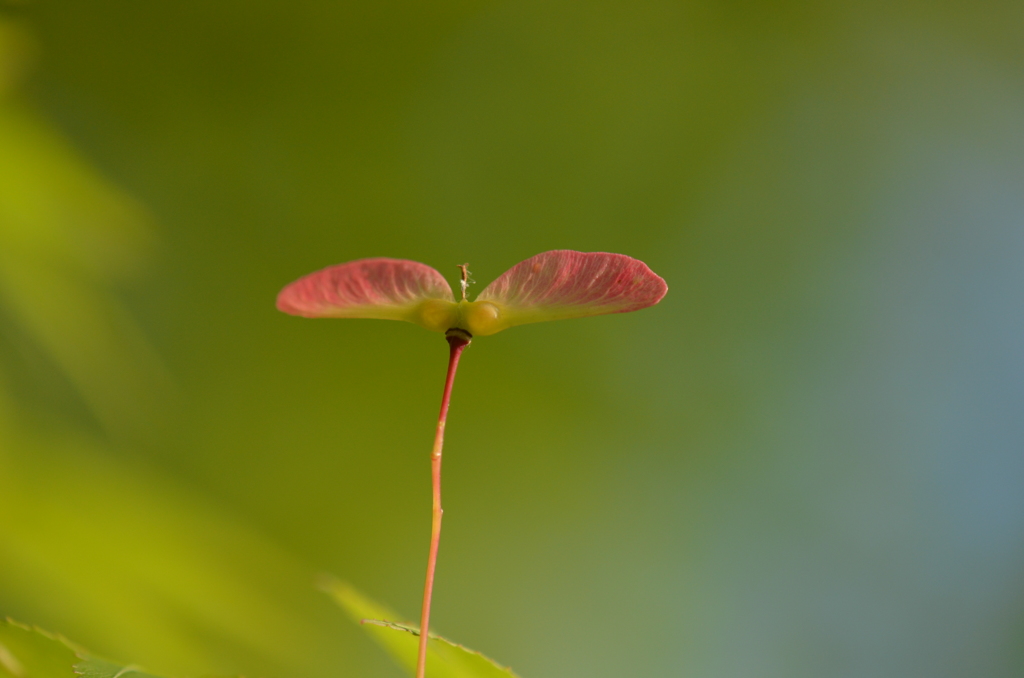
(808, 460)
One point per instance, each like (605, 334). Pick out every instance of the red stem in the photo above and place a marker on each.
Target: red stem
(458, 340)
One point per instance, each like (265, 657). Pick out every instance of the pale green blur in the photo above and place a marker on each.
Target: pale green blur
(805, 461)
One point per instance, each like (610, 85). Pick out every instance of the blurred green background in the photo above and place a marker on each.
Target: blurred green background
(808, 460)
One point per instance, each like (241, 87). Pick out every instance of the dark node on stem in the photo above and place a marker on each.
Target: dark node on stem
(457, 336)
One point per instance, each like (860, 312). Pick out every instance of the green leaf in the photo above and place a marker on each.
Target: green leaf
(31, 653)
(445, 659)
(93, 667)
(27, 652)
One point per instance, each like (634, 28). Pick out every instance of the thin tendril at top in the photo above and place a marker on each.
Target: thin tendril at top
(466, 280)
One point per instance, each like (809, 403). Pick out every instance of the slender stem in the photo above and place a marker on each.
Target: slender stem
(458, 340)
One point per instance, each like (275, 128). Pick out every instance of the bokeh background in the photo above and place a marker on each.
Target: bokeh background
(808, 460)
